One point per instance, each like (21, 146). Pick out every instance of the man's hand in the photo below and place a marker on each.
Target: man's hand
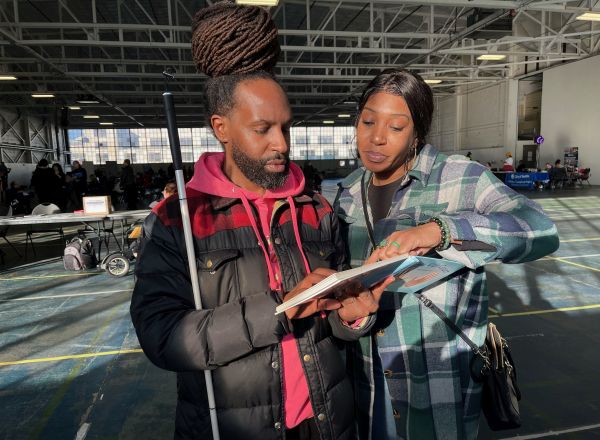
(360, 305)
(414, 241)
(316, 305)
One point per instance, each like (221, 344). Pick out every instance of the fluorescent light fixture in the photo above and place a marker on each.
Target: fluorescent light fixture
(589, 16)
(328, 121)
(433, 81)
(42, 95)
(491, 57)
(257, 2)
(73, 107)
(91, 117)
(344, 115)
(106, 123)
(350, 102)
(87, 99)
(7, 78)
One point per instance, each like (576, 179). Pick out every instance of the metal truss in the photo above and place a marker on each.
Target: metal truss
(115, 50)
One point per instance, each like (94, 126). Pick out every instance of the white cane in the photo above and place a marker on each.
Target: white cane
(187, 232)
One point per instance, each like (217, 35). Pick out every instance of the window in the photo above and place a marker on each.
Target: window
(151, 145)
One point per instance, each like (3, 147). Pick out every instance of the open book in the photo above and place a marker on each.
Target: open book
(412, 274)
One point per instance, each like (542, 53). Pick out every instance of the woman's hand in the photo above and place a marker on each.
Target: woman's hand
(316, 305)
(414, 241)
(362, 304)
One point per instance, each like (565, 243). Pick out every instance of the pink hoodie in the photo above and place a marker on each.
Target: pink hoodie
(210, 179)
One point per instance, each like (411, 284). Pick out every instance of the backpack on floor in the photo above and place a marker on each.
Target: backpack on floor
(79, 255)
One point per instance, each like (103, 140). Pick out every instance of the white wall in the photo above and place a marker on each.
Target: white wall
(474, 121)
(443, 132)
(571, 113)
(482, 124)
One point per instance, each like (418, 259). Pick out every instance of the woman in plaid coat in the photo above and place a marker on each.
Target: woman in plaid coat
(411, 374)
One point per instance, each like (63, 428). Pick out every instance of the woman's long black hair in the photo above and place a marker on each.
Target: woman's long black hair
(413, 89)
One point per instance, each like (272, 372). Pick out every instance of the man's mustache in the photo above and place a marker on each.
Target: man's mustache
(276, 156)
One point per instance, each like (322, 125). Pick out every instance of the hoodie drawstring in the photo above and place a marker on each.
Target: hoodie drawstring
(297, 233)
(273, 284)
(272, 281)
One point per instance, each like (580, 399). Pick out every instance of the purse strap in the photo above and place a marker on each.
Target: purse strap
(440, 314)
(363, 194)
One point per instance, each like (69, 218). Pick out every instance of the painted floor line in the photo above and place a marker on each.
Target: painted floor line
(553, 433)
(68, 295)
(575, 240)
(571, 263)
(82, 432)
(542, 312)
(572, 216)
(69, 357)
(56, 398)
(577, 256)
(41, 277)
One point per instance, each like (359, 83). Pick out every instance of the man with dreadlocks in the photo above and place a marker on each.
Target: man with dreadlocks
(259, 238)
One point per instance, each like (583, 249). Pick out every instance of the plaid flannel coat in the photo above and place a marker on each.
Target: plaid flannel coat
(411, 375)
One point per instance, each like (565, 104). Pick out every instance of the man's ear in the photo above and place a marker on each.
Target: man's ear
(220, 127)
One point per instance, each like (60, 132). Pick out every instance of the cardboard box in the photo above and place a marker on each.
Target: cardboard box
(97, 205)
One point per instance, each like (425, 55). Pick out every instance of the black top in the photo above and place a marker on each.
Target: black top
(380, 198)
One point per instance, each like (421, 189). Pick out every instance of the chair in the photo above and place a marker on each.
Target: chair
(558, 177)
(43, 209)
(4, 231)
(584, 176)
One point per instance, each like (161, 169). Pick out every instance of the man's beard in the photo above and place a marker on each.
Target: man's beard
(254, 169)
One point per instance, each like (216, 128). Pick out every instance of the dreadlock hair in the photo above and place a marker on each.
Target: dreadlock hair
(232, 43)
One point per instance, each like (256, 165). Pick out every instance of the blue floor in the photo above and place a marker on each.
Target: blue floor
(70, 364)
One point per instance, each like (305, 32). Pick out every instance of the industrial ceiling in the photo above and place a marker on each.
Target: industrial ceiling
(114, 51)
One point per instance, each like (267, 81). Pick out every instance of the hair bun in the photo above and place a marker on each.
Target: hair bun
(230, 39)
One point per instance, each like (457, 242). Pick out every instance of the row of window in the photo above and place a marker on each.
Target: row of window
(151, 145)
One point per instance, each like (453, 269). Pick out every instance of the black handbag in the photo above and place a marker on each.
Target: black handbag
(493, 366)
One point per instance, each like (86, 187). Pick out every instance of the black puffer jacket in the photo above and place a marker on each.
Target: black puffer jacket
(237, 334)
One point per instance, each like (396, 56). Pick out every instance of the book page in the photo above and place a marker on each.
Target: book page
(426, 272)
(412, 274)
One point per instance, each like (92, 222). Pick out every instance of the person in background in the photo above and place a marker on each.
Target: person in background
(4, 171)
(12, 192)
(312, 177)
(128, 185)
(521, 167)
(508, 163)
(61, 196)
(260, 237)
(79, 181)
(169, 189)
(73, 200)
(412, 373)
(44, 183)
(557, 164)
(469, 156)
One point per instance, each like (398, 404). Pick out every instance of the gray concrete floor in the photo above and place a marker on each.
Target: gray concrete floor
(70, 362)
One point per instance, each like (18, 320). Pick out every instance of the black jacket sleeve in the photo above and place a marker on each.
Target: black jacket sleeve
(171, 332)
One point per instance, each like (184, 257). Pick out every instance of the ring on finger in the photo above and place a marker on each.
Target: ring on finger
(395, 243)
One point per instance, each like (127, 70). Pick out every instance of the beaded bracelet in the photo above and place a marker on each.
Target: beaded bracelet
(445, 241)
